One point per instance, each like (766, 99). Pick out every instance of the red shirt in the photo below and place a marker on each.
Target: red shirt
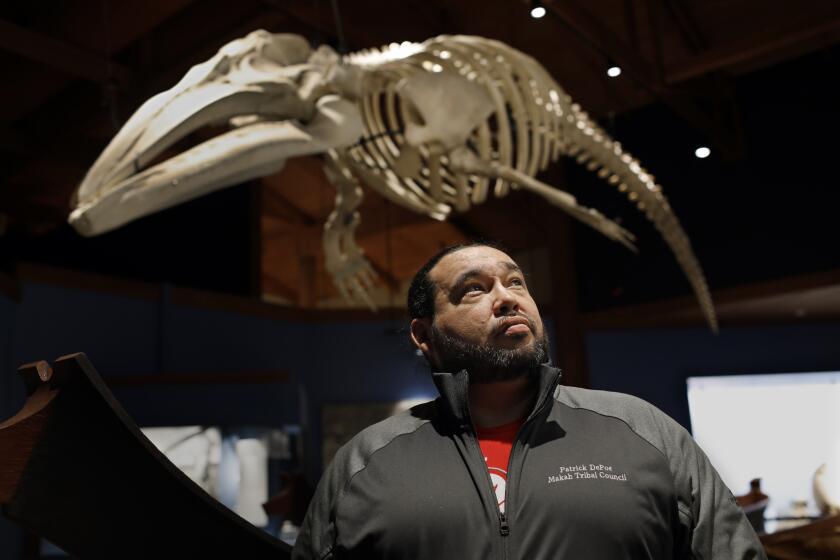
(496, 444)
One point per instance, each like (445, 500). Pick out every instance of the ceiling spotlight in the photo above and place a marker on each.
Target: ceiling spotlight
(613, 71)
(702, 152)
(537, 9)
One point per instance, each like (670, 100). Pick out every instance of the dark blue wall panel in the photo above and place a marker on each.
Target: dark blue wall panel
(118, 334)
(654, 364)
(204, 340)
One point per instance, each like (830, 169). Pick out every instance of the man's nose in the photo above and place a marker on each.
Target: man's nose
(505, 301)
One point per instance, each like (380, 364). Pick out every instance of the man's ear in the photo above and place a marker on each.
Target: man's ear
(421, 334)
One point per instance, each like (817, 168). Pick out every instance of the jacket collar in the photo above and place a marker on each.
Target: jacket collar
(454, 392)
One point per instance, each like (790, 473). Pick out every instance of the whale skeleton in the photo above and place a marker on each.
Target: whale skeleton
(435, 127)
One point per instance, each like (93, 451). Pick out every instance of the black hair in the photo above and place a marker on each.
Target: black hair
(421, 292)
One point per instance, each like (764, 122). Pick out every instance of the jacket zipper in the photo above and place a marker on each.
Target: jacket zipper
(504, 527)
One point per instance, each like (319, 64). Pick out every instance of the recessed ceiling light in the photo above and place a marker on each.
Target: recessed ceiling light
(702, 152)
(613, 71)
(537, 12)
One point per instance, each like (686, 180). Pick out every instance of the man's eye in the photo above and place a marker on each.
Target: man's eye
(517, 282)
(474, 288)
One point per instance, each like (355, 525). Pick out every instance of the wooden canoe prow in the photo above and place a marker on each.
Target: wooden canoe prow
(76, 470)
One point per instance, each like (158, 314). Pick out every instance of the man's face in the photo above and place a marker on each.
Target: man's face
(485, 319)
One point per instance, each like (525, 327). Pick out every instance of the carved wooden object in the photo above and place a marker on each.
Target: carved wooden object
(817, 540)
(76, 470)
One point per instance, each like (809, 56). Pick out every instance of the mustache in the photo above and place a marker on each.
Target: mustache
(505, 321)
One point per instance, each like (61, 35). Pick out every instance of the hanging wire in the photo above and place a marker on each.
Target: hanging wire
(109, 91)
(339, 30)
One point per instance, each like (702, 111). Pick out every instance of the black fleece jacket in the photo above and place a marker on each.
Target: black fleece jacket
(592, 475)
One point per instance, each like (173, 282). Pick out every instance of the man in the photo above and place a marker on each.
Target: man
(509, 464)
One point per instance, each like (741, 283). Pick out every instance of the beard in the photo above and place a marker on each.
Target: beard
(486, 363)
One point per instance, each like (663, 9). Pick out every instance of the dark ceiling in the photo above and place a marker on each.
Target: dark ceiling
(754, 80)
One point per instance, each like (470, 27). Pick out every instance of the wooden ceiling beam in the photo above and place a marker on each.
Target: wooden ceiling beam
(765, 46)
(654, 15)
(88, 27)
(604, 40)
(60, 55)
(631, 23)
(687, 25)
